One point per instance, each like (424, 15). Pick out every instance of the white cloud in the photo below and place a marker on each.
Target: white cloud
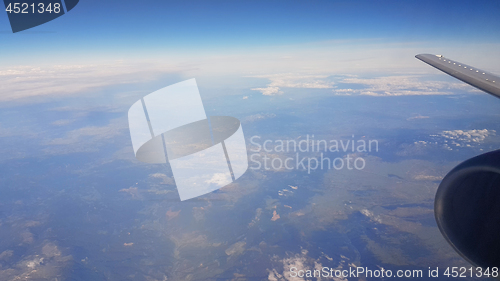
(269, 91)
(344, 92)
(288, 80)
(310, 63)
(448, 140)
(219, 179)
(394, 85)
(468, 136)
(401, 85)
(24, 82)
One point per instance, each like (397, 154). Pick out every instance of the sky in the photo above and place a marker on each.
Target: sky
(102, 43)
(143, 30)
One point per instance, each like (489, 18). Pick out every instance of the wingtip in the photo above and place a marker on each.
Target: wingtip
(420, 56)
(427, 56)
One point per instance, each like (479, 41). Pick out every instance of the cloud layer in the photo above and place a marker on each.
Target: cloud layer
(279, 81)
(26, 82)
(401, 85)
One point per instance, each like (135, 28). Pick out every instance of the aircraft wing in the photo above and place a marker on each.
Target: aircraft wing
(473, 76)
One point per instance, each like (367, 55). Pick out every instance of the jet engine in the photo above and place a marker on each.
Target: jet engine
(467, 209)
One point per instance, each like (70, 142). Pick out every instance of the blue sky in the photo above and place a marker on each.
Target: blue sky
(144, 28)
(286, 43)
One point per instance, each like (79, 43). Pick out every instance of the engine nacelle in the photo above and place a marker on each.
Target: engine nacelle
(467, 209)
